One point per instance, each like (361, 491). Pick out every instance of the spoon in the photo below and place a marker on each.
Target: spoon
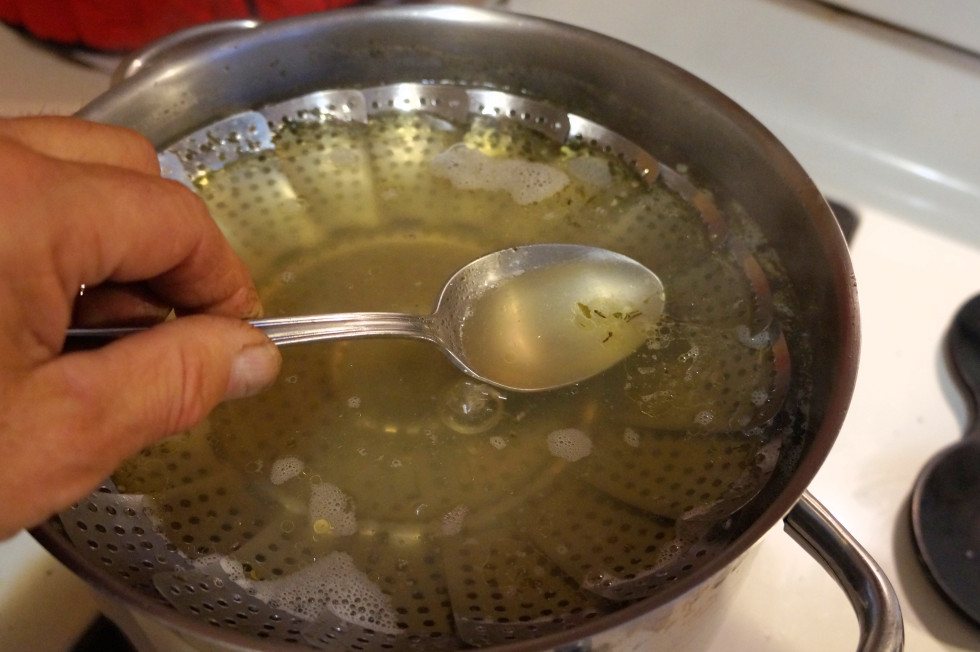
(945, 507)
(528, 318)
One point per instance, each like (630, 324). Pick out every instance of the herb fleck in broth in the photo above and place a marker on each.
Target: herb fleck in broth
(448, 503)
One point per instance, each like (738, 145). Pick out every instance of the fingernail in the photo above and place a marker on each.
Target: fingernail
(253, 369)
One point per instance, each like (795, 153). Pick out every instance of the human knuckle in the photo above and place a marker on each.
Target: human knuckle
(137, 152)
(195, 395)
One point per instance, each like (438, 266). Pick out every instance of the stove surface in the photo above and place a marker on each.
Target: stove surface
(885, 122)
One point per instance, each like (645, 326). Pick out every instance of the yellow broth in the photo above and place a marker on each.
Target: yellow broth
(454, 502)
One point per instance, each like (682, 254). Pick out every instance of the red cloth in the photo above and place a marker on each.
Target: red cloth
(130, 24)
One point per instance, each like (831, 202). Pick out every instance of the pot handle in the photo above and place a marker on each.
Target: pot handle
(871, 594)
(159, 50)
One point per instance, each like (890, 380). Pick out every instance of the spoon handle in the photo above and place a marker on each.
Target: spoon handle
(963, 342)
(310, 328)
(345, 325)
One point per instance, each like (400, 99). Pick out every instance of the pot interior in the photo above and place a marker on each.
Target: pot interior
(376, 497)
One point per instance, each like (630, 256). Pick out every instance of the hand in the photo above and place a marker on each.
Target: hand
(84, 206)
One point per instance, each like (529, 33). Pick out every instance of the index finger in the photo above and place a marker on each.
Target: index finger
(82, 141)
(96, 223)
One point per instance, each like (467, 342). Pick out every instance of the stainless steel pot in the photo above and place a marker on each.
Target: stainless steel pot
(669, 114)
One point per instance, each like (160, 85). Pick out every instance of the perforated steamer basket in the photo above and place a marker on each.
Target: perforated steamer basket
(206, 105)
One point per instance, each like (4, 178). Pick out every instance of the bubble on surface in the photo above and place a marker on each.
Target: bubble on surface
(569, 444)
(631, 437)
(691, 355)
(527, 182)
(205, 563)
(756, 341)
(354, 402)
(704, 417)
(452, 521)
(591, 169)
(332, 583)
(470, 407)
(285, 468)
(331, 510)
(233, 569)
(498, 442)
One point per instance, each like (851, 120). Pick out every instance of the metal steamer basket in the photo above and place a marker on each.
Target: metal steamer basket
(235, 96)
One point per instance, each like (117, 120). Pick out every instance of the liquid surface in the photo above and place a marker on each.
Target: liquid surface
(461, 514)
(564, 322)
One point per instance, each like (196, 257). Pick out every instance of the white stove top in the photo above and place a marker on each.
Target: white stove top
(885, 123)
(956, 22)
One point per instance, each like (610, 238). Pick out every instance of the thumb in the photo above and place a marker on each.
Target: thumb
(167, 378)
(69, 423)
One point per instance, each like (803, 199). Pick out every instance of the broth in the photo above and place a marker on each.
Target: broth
(375, 484)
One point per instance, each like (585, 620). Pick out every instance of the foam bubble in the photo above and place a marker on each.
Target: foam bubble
(704, 417)
(284, 469)
(331, 510)
(354, 402)
(452, 521)
(756, 341)
(332, 583)
(569, 444)
(631, 437)
(527, 182)
(759, 397)
(691, 355)
(208, 563)
(498, 442)
(591, 169)
(216, 564)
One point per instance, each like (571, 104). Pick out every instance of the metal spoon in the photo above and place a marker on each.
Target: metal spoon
(528, 318)
(945, 507)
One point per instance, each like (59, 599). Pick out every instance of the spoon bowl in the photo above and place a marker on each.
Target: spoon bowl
(528, 318)
(945, 505)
